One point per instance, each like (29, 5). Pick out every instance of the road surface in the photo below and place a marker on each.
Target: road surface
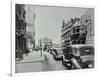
(46, 64)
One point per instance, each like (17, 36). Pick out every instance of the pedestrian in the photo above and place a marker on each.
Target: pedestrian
(20, 54)
(36, 49)
(26, 52)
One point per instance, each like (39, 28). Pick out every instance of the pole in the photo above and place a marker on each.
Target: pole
(41, 47)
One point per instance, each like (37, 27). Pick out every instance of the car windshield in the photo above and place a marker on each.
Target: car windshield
(86, 50)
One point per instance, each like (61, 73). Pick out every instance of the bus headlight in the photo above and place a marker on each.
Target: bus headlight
(90, 65)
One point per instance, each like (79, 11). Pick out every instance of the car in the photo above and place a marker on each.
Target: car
(78, 56)
(57, 53)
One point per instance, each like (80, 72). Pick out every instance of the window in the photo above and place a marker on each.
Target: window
(86, 20)
(77, 30)
(82, 41)
(75, 50)
(74, 30)
(88, 50)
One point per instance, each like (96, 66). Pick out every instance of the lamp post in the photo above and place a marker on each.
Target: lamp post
(41, 47)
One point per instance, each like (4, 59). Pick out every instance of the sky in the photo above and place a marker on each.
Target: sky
(49, 19)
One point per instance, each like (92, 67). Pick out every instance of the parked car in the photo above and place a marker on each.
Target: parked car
(78, 56)
(57, 53)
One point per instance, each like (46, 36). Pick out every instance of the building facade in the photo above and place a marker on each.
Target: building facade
(78, 33)
(79, 30)
(88, 21)
(20, 27)
(30, 26)
(45, 43)
(66, 33)
(73, 32)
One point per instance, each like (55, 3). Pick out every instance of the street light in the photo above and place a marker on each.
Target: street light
(41, 47)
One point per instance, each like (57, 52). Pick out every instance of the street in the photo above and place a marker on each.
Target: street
(35, 63)
(42, 38)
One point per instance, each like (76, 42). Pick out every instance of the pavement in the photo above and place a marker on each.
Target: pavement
(35, 63)
(31, 57)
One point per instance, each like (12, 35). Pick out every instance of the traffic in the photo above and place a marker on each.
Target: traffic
(75, 56)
